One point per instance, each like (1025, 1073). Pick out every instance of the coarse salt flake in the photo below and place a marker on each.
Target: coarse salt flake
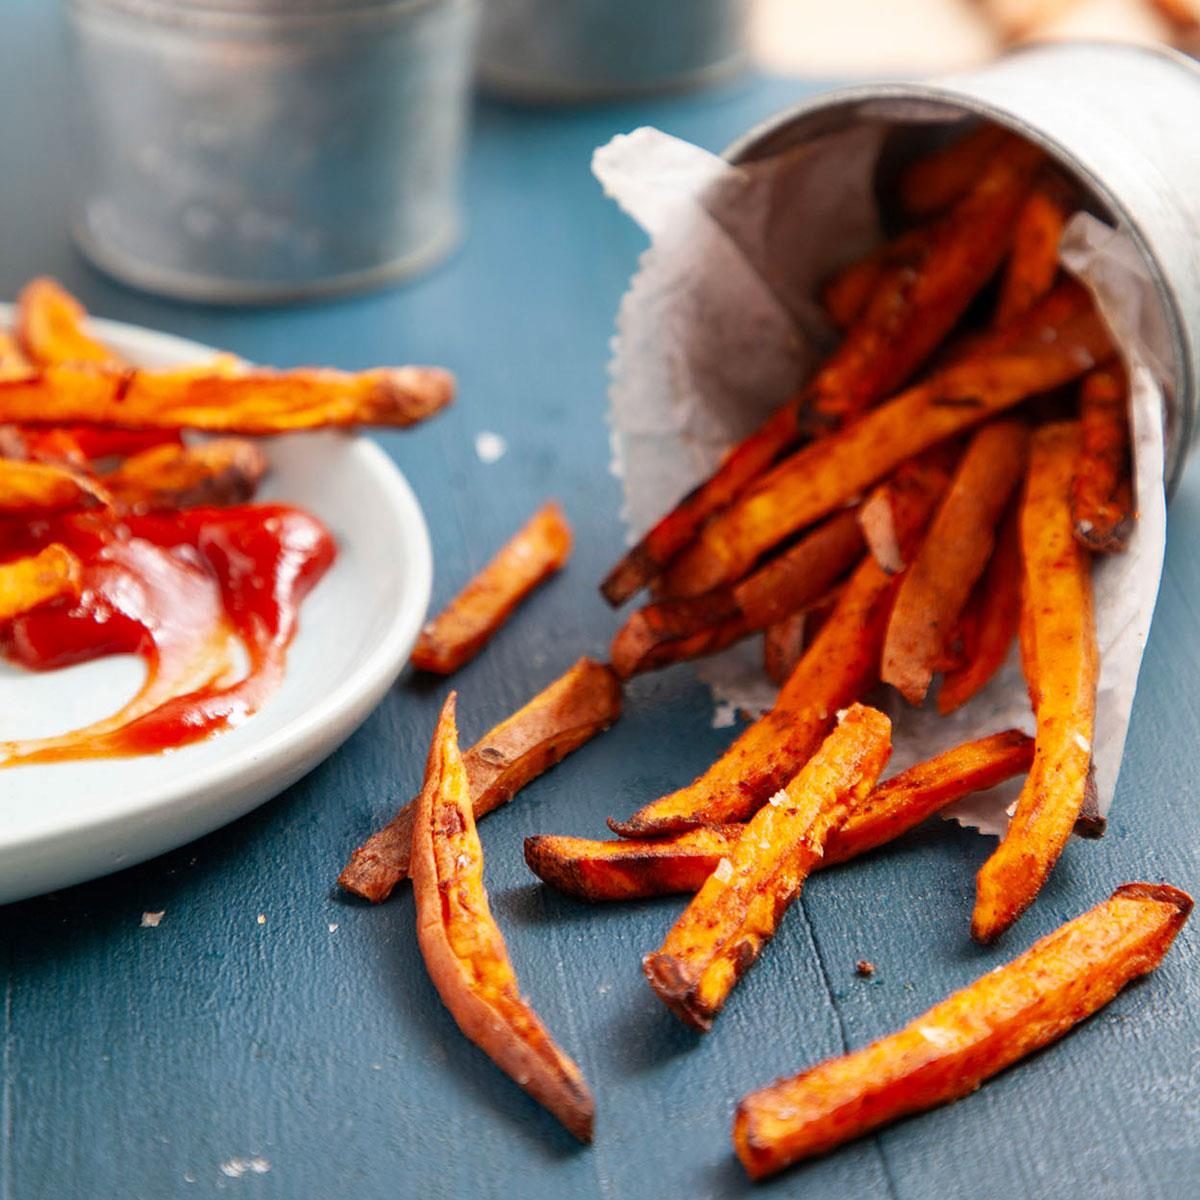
(150, 920)
(262, 918)
(333, 927)
(724, 871)
(936, 1036)
(1083, 743)
(489, 447)
(235, 1168)
(724, 716)
(779, 798)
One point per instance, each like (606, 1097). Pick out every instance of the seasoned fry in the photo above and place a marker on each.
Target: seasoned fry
(464, 949)
(674, 630)
(994, 612)
(937, 180)
(846, 294)
(50, 327)
(914, 306)
(949, 1051)
(952, 557)
(824, 475)
(1058, 590)
(1033, 264)
(535, 552)
(736, 912)
(216, 400)
(837, 668)
(1101, 490)
(25, 583)
(783, 646)
(37, 489)
(628, 869)
(558, 720)
(223, 471)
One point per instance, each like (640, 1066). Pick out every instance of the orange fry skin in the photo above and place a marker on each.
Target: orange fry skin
(736, 912)
(629, 869)
(1033, 264)
(995, 613)
(949, 1051)
(223, 471)
(670, 631)
(1058, 591)
(826, 474)
(935, 181)
(1101, 490)
(464, 949)
(536, 551)
(25, 583)
(218, 400)
(838, 667)
(50, 327)
(581, 703)
(952, 557)
(29, 489)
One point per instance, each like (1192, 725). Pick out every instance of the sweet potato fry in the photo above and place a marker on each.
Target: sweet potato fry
(464, 949)
(836, 669)
(1033, 263)
(1101, 490)
(561, 718)
(628, 869)
(37, 489)
(736, 912)
(952, 557)
(670, 631)
(26, 583)
(824, 475)
(50, 327)
(949, 1051)
(783, 646)
(223, 471)
(937, 180)
(13, 363)
(846, 294)
(216, 400)
(914, 306)
(1058, 591)
(994, 613)
(535, 552)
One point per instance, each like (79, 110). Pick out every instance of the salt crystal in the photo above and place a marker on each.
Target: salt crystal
(937, 1037)
(262, 918)
(489, 447)
(724, 716)
(150, 920)
(235, 1168)
(779, 798)
(724, 871)
(333, 927)
(1083, 743)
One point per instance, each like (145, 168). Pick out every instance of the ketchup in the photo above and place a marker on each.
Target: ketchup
(209, 598)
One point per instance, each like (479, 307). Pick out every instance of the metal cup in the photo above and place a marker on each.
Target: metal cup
(252, 151)
(1122, 119)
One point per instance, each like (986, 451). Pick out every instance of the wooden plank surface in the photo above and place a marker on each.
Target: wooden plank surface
(307, 1056)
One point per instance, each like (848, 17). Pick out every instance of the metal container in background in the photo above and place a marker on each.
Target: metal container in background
(251, 151)
(565, 50)
(1123, 120)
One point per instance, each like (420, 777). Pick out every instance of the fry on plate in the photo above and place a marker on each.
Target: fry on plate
(629, 869)
(50, 327)
(26, 583)
(218, 472)
(539, 549)
(738, 909)
(960, 1043)
(1058, 594)
(578, 705)
(839, 666)
(31, 489)
(464, 949)
(1101, 489)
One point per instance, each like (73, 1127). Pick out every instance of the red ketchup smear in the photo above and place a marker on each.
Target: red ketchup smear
(195, 594)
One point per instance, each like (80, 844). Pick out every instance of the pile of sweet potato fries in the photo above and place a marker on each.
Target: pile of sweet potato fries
(934, 494)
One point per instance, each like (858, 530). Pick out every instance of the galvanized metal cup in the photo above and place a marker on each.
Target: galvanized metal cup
(563, 50)
(1124, 120)
(254, 151)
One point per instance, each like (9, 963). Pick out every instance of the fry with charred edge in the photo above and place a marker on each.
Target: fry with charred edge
(937, 180)
(637, 648)
(914, 306)
(1101, 490)
(561, 718)
(50, 327)
(223, 471)
(1058, 591)
(839, 666)
(994, 613)
(37, 489)
(824, 475)
(251, 401)
(1033, 263)
(949, 1051)
(783, 646)
(25, 583)
(736, 912)
(952, 557)
(539, 549)
(464, 949)
(629, 869)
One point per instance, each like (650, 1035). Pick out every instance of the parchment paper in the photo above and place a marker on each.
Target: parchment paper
(719, 327)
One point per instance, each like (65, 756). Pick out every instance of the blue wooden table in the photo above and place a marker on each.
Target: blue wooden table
(306, 1056)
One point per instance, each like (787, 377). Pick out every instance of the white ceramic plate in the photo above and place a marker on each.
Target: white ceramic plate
(63, 823)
